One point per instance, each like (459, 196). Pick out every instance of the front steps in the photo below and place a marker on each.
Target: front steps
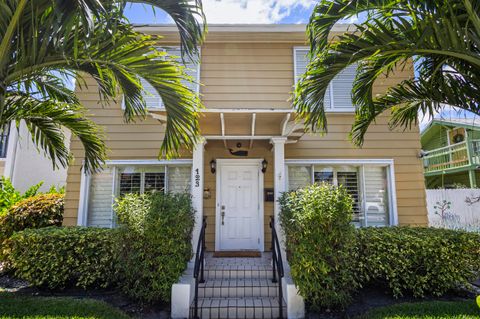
(238, 288)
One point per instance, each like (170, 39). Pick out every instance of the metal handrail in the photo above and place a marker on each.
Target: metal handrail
(277, 265)
(199, 267)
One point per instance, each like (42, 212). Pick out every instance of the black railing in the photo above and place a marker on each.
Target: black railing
(199, 268)
(278, 272)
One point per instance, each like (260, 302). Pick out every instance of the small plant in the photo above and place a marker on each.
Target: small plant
(320, 240)
(154, 243)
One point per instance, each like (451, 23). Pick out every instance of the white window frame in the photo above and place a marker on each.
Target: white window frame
(331, 108)
(388, 163)
(198, 64)
(85, 180)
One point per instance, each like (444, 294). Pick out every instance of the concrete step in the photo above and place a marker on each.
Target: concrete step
(238, 288)
(239, 272)
(248, 308)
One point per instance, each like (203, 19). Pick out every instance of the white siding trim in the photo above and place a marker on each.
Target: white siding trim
(83, 200)
(150, 162)
(339, 161)
(393, 195)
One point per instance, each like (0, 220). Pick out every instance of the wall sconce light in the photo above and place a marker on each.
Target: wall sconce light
(213, 166)
(264, 165)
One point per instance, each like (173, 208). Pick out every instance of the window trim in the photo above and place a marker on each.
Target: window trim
(85, 179)
(330, 109)
(388, 163)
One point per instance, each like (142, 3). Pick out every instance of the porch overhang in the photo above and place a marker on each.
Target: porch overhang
(245, 124)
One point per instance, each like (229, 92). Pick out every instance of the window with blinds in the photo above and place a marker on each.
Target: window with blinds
(367, 185)
(114, 182)
(338, 95)
(192, 69)
(347, 177)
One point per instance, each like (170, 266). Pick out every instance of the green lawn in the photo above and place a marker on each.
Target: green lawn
(14, 306)
(427, 310)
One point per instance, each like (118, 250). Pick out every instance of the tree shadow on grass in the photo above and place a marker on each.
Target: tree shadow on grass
(427, 310)
(21, 306)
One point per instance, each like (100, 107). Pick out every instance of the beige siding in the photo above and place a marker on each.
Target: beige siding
(258, 75)
(247, 75)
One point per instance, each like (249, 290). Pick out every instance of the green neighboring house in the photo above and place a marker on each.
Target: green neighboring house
(451, 153)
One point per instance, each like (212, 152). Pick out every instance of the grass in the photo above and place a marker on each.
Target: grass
(14, 306)
(427, 310)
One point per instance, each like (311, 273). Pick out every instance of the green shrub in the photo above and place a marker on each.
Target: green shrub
(155, 243)
(418, 261)
(9, 196)
(320, 240)
(35, 212)
(58, 257)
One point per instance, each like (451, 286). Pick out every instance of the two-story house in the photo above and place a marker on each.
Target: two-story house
(452, 153)
(253, 145)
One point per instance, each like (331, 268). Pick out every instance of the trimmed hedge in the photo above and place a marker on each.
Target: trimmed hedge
(154, 243)
(320, 240)
(59, 257)
(35, 212)
(417, 261)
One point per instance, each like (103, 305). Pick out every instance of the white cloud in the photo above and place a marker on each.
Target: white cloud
(252, 11)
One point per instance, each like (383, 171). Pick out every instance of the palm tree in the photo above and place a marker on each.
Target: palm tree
(442, 37)
(45, 42)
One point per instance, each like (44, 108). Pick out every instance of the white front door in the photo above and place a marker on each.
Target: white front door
(238, 207)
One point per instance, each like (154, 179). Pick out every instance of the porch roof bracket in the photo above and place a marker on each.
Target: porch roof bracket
(284, 124)
(254, 118)
(222, 123)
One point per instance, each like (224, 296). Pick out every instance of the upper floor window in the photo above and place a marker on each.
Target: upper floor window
(192, 68)
(338, 95)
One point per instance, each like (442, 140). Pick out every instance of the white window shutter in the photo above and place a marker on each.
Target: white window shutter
(179, 178)
(299, 176)
(301, 63)
(376, 196)
(342, 86)
(153, 99)
(100, 212)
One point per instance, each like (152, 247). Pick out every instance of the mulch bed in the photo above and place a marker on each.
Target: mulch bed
(375, 296)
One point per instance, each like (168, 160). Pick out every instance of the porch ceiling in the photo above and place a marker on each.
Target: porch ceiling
(246, 124)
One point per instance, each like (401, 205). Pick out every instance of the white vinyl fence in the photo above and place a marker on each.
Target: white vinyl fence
(454, 208)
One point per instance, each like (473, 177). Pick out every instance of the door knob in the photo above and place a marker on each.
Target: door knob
(222, 213)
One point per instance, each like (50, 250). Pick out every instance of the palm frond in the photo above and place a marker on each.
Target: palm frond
(46, 120)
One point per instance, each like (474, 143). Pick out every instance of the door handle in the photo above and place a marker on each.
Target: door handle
(222, 213)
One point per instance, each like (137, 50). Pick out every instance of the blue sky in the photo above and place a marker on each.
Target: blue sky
(236, 11)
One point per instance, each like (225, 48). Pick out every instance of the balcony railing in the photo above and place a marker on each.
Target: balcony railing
(452, 157)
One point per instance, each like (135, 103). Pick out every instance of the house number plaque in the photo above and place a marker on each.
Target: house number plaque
(197, 177)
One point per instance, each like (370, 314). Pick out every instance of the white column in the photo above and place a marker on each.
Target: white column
(197, 189)
(295, 302)
(278, 172)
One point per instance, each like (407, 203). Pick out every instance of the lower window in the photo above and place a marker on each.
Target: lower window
(367, 184)
(117, 181)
